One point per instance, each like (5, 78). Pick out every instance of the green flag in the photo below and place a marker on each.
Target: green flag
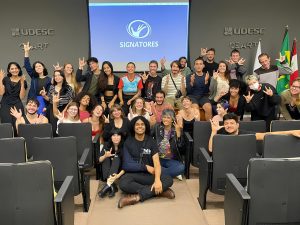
(283, 80)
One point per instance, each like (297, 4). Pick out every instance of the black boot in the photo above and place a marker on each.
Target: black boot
(104, 191)
(113, 190)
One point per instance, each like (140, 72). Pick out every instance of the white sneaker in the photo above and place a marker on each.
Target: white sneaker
(179, 177)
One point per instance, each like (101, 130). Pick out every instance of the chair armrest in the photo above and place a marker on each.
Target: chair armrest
(205, 174)
(96, 138)
(83, 158)
(236, 202)
(64, 201)
(188, 137)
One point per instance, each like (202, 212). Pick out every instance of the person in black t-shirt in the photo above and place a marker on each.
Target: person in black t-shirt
(151, 82)
(140, 161)
(231, 127)
(210, 65)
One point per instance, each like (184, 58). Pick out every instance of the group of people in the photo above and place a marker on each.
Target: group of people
(141, 118)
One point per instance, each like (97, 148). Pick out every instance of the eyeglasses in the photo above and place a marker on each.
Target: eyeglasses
(295, 87)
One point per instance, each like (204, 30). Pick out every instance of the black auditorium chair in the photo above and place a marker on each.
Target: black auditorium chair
(255, 126)
(12, 150)
(202, 131)
(230, 154)
(29, 131)
(272, 195)
(6, 130)
(283, 125)
(27, 195)
(281, 146)
(83, 134)
(61, 152)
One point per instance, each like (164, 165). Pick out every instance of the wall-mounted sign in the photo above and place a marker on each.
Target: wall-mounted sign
(229, 31)
(19, 32)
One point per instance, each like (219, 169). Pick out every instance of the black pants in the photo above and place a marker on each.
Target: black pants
(140, 183)
(110, 166)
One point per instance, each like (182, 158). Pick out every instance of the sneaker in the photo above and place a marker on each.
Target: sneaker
(179, 177)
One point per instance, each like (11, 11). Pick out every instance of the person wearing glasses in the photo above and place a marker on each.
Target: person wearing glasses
(290, 101)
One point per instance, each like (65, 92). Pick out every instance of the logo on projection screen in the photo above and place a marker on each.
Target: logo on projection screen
(138, 29)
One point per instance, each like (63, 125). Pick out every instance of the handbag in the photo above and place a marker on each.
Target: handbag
(178, 92)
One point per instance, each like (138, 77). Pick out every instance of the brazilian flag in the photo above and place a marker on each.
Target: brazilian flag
(283, 80)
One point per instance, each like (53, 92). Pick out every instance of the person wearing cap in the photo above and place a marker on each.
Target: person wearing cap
(90, 77)
(261, 100)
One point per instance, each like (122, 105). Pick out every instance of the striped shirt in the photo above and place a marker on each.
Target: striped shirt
(171, 89)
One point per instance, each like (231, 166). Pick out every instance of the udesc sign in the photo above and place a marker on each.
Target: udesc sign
(138, 30)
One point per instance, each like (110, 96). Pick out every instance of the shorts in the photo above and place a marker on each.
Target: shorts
(200, 100)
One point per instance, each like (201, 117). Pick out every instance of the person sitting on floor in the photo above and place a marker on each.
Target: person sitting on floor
(140, 160)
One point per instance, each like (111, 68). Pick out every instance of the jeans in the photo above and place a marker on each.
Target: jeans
(141, 183)
(171, 167)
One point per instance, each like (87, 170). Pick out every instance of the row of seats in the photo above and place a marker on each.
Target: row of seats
(272, 194)
(70, 155)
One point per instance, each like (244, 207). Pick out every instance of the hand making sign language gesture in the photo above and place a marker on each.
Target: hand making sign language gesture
(81, 63)
(216, 74)
(268, 91)
(144, 76)
(207, 78)
(27, 48)
(281, 58)
(57, 67)
(203, 51)
(248, 97)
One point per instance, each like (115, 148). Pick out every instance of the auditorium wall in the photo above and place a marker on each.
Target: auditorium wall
(240, 24)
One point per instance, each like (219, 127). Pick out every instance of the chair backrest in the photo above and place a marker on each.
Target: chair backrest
(12, 150)
(202, 131)
(231, 154)
(282, 125)
(255, 126)
(281, 146)
(26, 193)
(6, 130)
(62, 154)
(83, 134)
(274, 185)
(29, 131)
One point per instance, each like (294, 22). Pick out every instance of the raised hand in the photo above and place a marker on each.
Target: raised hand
(281, 58)
(81, 63)
(203, 51)
(2, 74)
(207, 77)
(144, 76)
(163, 61)
(230, 61)
(216, 74)
(241, 61)
(27, 48)
(248, 97)
(268, 91)
(15, 113)
(106, 119)
(108, 154)
(57, 67)
(22, 79)
(103, 104)
(43, 92)
(192, 79)
(215, 125)
(55, 98)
